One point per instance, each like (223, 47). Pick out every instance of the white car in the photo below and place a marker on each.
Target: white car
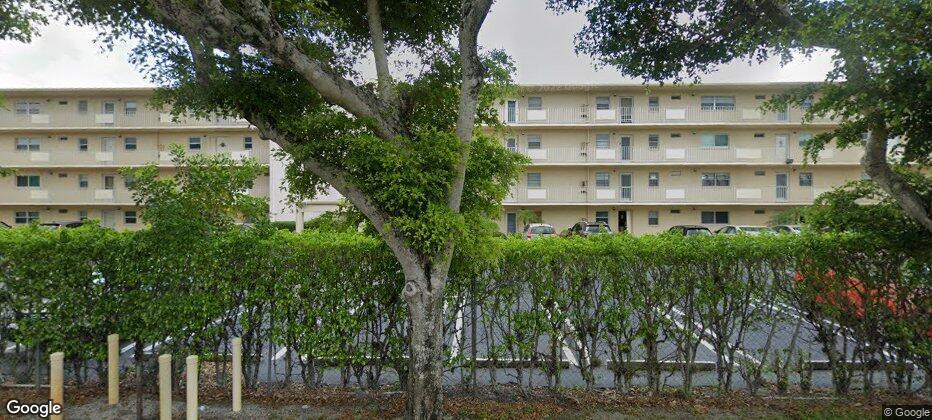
(743, 229)
(787, 229)
(538, 230)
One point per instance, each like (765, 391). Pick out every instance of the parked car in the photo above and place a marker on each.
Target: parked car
(786, 229)
(61, 225)
(538, 230)
(746, 230)
(589, 228)
(691, 230)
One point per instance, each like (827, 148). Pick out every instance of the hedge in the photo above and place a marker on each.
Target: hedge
(334, 299)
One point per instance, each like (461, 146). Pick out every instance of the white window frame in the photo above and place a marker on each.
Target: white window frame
(534, 142)
(28, 144)
(717, 103)
(535, 103)
(534, 180)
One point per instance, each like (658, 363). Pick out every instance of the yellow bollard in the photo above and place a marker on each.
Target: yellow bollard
(57, 381)
(113, 369)
(191, 386)
(165, 387)
(237, 374)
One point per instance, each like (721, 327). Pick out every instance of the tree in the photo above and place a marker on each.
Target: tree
(407, 152)
(879, 84)
(19, 18)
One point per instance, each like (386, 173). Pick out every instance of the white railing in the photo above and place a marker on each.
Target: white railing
(9, 119)
(663, 194)
(650, 115)
(117, 157)
(59, 195)
(685, 154)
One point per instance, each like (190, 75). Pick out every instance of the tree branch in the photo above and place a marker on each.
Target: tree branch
(472, 15)
(875, 164)
(379, 52)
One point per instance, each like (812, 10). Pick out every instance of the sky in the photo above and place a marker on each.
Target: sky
(539, 41)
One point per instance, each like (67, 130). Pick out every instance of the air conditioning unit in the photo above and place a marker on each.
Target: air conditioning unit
(583, 184)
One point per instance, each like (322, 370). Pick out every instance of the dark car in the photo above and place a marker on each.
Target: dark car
(691, 230)
(589, 229)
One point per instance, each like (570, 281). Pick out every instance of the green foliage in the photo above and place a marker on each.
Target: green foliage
(333, 297)
(205, 192)
(19, 18)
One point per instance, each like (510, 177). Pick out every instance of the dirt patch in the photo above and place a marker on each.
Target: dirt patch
(297, 402)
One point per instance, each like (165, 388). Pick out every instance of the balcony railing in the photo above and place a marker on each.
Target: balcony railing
(60, 195)
(674, 194)
(685, 154)
(649, 115)
(60, 158)
(9, 119)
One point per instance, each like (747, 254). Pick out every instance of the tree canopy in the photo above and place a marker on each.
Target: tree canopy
(880, 83)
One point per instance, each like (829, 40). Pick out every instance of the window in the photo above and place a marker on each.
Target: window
(760, 97)
(715, 140)
(653, 179)
(718, 103)
(533, 141)
(511, 144)
(129, 107)
(82, 181)
(109, 108)
(533, 180)
(63, 138)
(26, 108)
(194, 143)
(109, 182)
(653, 103)
(535, 103)
(129, 217)
(82, 145)
(759, 211)
(82, 106)
(715, 217)
(128, 181)
(511, 222)
(129, 143)
(653, 218)
(758, 135)
(26, 217)
(602, 102)
(674, 211)
(807, 103)
(27, 181)
(674, 135)
(602, 179)
(804, 139)
(601, 217)
(25, 143)
(82, 215)
(602, 141)
(675, 97)
(805, 179)
(716, 179)
(653, 141)
(511, 112)
(759, 173)
(247, 143)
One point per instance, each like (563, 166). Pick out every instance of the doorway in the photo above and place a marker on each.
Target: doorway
(622, 221)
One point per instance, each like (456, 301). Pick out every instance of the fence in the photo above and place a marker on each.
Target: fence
(616, 311)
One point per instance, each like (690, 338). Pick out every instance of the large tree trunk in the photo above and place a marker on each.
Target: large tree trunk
(875, 164)
(424, 295)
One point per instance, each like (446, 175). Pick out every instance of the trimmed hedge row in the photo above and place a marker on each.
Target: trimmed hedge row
(334, 299)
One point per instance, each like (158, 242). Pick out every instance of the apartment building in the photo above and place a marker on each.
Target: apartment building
(67, 146)
(645, 158)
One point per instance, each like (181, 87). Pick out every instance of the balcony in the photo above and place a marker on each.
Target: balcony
(684, 154)
(115, 158)
(664, 195)
(649, 115)
(63, 196)
(11, 120)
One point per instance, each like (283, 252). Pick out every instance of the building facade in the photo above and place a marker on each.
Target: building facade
(645, 158)
(67, 145)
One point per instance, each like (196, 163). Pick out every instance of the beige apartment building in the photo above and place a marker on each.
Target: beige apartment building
(645, 158)
(67, 145)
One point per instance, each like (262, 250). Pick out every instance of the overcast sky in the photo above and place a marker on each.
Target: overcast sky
(539, 41)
